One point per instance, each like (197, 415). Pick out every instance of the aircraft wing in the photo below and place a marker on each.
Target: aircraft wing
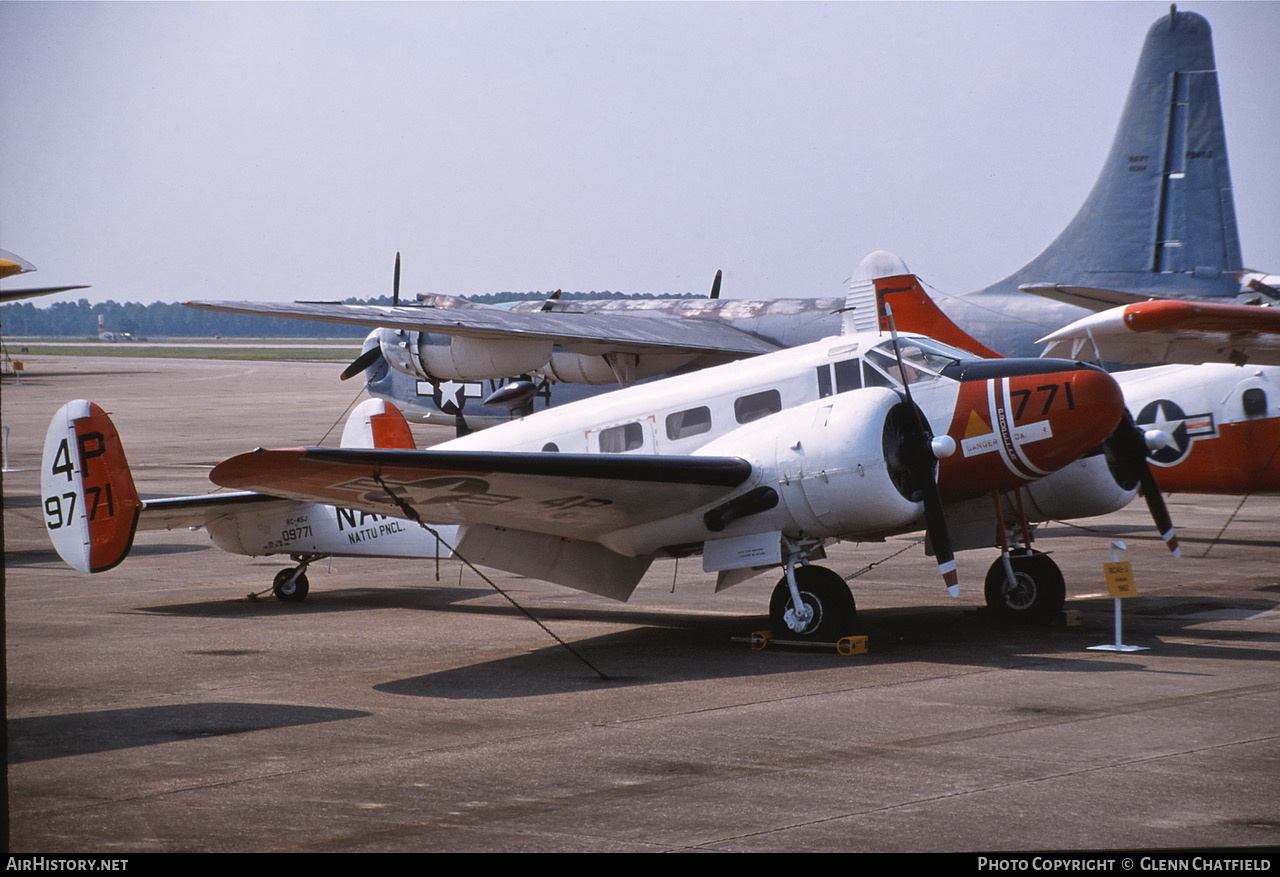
(1153, 332)
(575, 496)
(587, 332)
(19, 294)
(172, 513)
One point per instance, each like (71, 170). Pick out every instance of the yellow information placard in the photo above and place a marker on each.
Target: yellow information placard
(1119, 577)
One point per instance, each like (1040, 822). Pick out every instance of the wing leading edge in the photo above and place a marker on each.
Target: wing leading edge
(630, 333)
(574, 496)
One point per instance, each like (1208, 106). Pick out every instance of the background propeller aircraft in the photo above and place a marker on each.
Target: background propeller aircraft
(1159, 222)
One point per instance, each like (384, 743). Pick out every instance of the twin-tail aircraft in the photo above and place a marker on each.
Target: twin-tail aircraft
(1159, 223)
(754, 465)
(92, 510)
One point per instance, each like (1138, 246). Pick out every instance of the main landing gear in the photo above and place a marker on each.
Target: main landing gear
(826, 610)
(290, 585)
(1025, 586)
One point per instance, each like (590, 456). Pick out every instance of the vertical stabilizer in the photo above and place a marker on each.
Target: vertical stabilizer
(1160, 217)
(90, 505)
(376, 423)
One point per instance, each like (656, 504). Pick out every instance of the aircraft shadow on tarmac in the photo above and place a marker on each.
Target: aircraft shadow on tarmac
(40, 556)
(695, 647)
(43, 737)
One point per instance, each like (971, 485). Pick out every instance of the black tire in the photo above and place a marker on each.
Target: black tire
(834, 612)
(290, 593)
(1037, 594)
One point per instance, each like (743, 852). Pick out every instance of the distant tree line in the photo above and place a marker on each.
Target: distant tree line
(78, 319)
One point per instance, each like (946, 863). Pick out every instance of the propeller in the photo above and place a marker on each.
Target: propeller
(912, 446)
(362, 362)
(555, 296)
(1126, 452)
(715, 285)
(366, 359)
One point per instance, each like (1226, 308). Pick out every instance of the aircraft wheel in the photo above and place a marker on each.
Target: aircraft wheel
(834, 611)
(1036, 595)
(290, 591)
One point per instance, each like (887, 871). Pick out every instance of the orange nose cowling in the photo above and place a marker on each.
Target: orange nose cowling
(1013, 429)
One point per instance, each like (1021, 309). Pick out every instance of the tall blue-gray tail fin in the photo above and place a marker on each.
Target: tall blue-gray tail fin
(1160, 219)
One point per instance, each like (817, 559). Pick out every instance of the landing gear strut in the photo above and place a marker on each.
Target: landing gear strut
(1028, 589)
(291, 585)
(831, 611)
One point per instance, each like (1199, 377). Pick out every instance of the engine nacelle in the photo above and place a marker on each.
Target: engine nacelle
(1083, 489)
(589, 368)
(430, 356)
(829, 464)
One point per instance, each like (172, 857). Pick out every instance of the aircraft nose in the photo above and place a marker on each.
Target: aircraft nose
(1090, 410)
(1017, 420)
(1103, 393)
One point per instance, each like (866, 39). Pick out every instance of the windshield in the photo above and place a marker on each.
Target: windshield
(923, 359)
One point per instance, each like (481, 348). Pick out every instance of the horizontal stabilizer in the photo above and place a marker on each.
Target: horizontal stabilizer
(1089, 297)
(177, 512)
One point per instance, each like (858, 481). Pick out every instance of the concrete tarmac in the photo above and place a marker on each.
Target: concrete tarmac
(401, 707)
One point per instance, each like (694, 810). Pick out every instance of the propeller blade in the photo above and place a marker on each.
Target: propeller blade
(1127, 448)
(395, 284)
(362, 362)
(935, 525)
(715, 284)
(922, 452)
(1159, 510)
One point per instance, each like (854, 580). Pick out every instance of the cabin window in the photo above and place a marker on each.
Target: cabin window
(848, 375)
(824, 381)
(617, 439)
(693, 421)
(757, 405)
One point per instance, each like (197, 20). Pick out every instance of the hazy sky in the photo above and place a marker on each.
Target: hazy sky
(173, 151)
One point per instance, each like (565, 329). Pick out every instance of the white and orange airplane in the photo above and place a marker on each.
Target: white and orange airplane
(754, 465)
(1216, 395)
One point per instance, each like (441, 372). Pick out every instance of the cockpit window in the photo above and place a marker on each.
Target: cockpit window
(923, 359)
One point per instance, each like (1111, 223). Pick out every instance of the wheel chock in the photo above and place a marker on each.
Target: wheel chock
(851, 645)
